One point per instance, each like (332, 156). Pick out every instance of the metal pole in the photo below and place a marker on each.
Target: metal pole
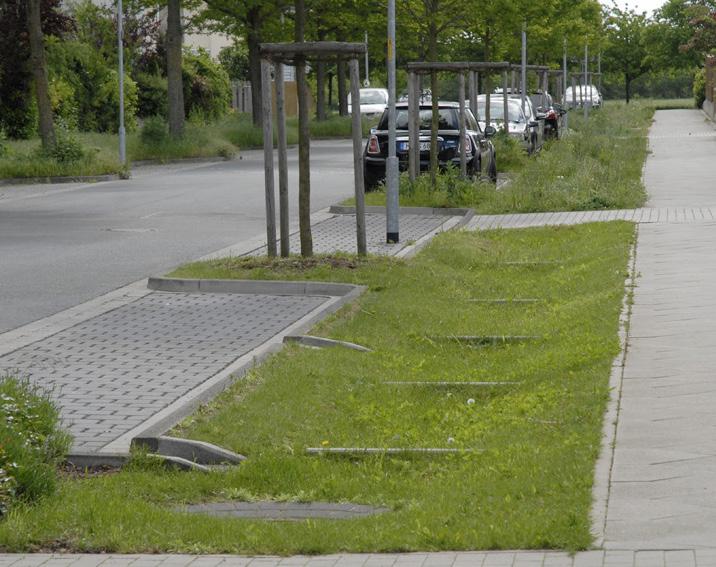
(523, 84)
(599, 70)
(586, 70)
(282, 162)
(268, 158)
(463, 136)
(120, 45)
(505, 105)
(367, 70)
(358, 157)
(564, 85)
(574, 93)
(391, 166)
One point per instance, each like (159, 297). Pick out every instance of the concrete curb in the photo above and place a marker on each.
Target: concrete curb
(168, 417)
(198, 452)
(321, 342)
(59, 179)
(605, 461)
(255, 287)
(427, 211)
(179, 161)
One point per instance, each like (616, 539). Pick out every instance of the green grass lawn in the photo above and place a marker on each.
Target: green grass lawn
(526, 479)
(597, 166)
(224, 138)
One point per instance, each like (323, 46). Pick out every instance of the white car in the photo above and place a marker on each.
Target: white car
(591, 95)
(518, 122)
(372, 102)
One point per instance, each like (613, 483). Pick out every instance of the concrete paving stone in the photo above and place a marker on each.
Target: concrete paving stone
(593, 558)
(380, 560)
(498, 559)
(649, 559)
(558, 559)
(680, 558)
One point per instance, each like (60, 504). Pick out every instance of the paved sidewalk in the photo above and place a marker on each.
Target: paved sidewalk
(663, 482)
(599, 558)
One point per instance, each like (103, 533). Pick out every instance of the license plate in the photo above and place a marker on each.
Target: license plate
(404, 146)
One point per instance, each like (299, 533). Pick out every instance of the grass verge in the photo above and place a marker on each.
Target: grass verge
(597, 166)
(526, 483)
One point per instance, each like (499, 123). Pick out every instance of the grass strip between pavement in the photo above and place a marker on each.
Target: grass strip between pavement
(525, 477)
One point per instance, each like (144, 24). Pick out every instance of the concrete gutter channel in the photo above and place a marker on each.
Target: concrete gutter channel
(194, 455)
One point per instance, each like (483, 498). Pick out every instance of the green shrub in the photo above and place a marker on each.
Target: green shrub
(32, 444)
(67, 148)
(154, 132)
(207, 90)
(151, 94)
(88, 86)
(699, 88)
(4, 147)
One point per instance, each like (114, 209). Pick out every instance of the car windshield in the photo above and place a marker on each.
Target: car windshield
(448, 119)
(514, 112)
(372, 97)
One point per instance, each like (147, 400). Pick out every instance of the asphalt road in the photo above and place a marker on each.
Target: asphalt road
(61, 245)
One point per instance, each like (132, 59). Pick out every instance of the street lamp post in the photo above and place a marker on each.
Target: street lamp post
(120, 47)
(564, 83)
(523, 90)
(391, 166)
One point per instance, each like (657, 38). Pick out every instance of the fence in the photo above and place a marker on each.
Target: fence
(241, 96)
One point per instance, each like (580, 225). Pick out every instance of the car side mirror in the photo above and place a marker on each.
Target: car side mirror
(533, 124)
(490, 131)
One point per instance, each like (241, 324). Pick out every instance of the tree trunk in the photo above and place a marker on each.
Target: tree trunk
(320, 90)
(627, 87)
(39, 71)
(175, 86)
(304, 149)
(321, 84)
(342, 90)
(433, 56)
(330, 89)
(253, 40)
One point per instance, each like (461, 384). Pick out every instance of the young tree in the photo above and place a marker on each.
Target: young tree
(626, 50)
(257, 21)
(435, 20)
(39, 72)
(175, 86)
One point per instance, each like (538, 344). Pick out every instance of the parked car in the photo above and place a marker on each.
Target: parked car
(589, 94)
(480, 150)
(535, 120)
(551, 111)
(517, 120)
(372, 102)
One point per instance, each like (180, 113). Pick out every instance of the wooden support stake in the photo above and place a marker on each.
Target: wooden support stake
(472, 90)
(574, 93)
(268, 158)
(486, 83)
(358, 157)
(282, 161)
(463, 133)
(413, 126)
(512, 88)
(304, 161)
(505, 104)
